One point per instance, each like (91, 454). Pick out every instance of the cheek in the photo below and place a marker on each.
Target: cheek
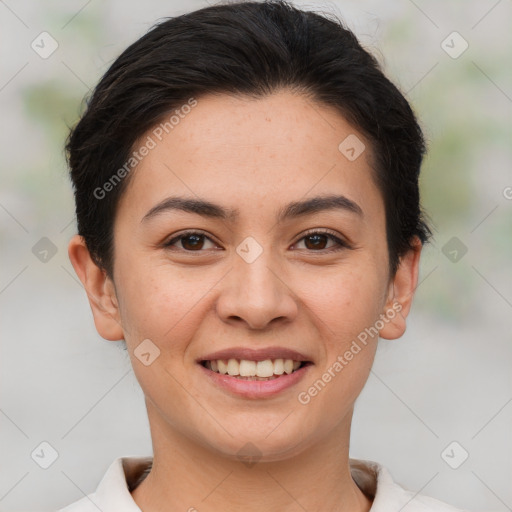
(346, 300)
(345, 304)
(164, 304)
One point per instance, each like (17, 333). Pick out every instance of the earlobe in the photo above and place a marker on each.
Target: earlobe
(401, 293)
(99, 288)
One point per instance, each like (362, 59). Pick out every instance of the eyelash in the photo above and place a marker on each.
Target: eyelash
(340, 244)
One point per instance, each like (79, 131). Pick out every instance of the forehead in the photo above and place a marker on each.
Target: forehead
(253, 155)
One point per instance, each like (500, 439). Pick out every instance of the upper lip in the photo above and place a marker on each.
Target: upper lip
(251, 354)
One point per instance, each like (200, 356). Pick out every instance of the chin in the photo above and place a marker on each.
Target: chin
(259, 445)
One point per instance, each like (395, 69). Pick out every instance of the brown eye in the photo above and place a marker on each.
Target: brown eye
(318, 240)
(191, 242)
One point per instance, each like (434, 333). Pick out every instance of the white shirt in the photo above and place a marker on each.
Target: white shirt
(123, 475)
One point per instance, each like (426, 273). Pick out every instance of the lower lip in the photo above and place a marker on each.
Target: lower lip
(256, 388)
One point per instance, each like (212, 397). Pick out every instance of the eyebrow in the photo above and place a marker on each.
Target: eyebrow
(291, 210)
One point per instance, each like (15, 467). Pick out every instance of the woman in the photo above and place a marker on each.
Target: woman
(246, 187)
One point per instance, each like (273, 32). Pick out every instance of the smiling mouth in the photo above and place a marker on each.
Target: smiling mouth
(244, 369)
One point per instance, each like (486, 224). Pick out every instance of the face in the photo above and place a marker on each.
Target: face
(266, 273)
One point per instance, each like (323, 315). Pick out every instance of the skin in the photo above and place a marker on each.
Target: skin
(255, 156)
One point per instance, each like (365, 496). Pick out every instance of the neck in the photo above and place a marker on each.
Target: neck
(189, 476)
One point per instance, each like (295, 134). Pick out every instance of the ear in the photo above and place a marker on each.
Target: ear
(99, 288)
(401, 292)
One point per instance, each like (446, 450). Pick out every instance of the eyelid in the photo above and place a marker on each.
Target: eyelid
(186, 233)
(339, 239)
(321, 231)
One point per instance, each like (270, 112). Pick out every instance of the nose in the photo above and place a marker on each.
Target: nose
(256, 294)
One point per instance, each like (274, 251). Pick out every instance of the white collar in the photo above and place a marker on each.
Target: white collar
(113, 492)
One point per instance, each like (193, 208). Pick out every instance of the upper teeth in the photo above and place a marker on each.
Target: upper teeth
(246, 368)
